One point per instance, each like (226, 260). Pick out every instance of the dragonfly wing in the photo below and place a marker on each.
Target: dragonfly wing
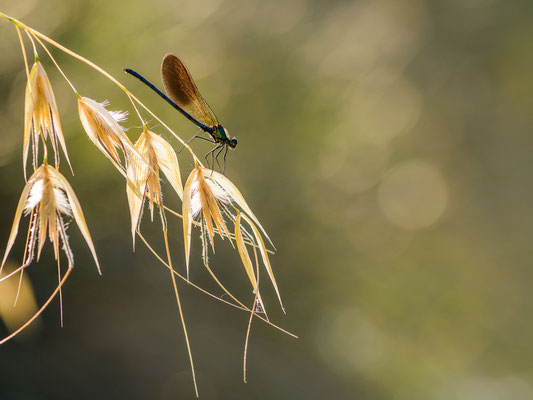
(181, 88)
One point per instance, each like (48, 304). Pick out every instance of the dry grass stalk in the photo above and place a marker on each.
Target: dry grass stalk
(209, 199)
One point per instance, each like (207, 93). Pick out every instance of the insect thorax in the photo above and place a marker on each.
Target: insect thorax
(219, 134)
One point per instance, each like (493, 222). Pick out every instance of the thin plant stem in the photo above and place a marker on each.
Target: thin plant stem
(243, 306)
(256, 297)
(246, 341)
(13, 273)
(40, 310)
(60, 292)
(18, 288)
(184, 278)
(23, 53)
(56, 64)
(35, 54)
(136, 109)
(180, 312)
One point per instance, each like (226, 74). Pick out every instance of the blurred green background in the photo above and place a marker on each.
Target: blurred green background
(386, 147)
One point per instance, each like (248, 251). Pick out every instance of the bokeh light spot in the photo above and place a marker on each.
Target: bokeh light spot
(413, 195)
(352, 163)
(14, 317)
(484, 388)
(387, 110)
(349, 341)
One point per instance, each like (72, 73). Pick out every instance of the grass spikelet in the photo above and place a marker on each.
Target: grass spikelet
(205, 196)
(47, 196)
(143, 175)
(201, 199)
(41, 117)
(102, 127)
(235, 196)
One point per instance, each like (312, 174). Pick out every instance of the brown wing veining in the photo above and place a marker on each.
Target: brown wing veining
(181, 88)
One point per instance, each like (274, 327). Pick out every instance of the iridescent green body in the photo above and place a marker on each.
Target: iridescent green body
(219, 134)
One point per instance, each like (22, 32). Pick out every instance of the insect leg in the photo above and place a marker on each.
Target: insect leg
(216, 157)
(206, 139)
(211, 152)
(190, 140)
(225, 154)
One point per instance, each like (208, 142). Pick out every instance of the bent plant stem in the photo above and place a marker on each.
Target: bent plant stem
(18, 288)
(13, 273)
(239, 307)
(23, 53)
(60, 292)
(243, 306)
(181, 276)
(56, 64)
(57, 289)
(245, 356)
(246, 341)
(180, 311)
